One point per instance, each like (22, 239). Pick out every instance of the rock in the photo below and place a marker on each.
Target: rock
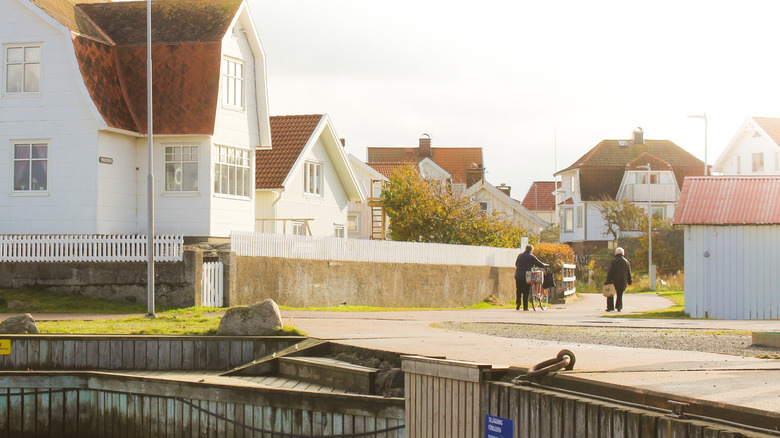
(260, 319)
(14, 305)
(21, 324)
(390, 383)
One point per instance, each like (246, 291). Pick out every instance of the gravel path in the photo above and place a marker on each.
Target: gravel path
(710, 341)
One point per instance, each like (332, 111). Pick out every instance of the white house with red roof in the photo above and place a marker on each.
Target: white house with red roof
(754, 149)
(541, 200)
(73, 116)
(732, 246)
(497, 201)
(617, 170)
(305, 183)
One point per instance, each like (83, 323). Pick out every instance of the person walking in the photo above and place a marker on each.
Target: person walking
(525, 261)
(619, 275)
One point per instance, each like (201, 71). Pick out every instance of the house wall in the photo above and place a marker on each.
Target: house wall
(731, 271)
(264, 208)
(494, 203)
(328, 210)
(361, 209)
(118, 183)
(745, 146)
(59, 115)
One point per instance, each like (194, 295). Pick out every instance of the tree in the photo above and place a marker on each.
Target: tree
(667, 246)
(428, 210)
(620, 215)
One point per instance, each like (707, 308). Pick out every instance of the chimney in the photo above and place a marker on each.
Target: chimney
(504, 188)
(425, 146)
(474, 174)
(343, 142)
(638, 136)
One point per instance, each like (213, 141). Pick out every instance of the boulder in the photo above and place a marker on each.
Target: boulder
(260, 319)
(21, 324)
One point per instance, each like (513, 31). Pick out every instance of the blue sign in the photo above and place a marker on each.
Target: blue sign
(497, 427)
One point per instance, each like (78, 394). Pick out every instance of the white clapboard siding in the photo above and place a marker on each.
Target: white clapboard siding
(87, 248)
(252, 244)
(212, 290)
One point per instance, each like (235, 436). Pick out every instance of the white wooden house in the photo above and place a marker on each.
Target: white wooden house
(754, 149)
(73, 144)
(617, 169)
(496, 201)
(732, 246)
(305, 182)
(364, 217)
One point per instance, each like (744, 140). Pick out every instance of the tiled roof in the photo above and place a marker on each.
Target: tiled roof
(289, 135)
(601, 169)
(109, 43)
(540, 196)
(454, 160)
(729, 200)
(771, 126)
(387, 169)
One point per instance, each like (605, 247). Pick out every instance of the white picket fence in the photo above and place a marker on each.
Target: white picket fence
(247, 243)
(212, 293)
(88, 248)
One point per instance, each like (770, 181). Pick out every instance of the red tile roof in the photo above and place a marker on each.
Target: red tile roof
(540, 196)
(109, 40)
(601, 168)
(729, 200)
(454, 160)
(387, 169)
(771, 126)
(289, 135)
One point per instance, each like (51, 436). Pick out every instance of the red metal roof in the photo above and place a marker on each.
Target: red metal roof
(540, 196)
(289, 135)
(729, 200)
(454, 160)
(109, 41)
(601, 168)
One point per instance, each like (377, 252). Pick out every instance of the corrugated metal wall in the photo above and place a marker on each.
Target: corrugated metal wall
(732, 272)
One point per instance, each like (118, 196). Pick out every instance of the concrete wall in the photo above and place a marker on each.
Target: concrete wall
(293, 282)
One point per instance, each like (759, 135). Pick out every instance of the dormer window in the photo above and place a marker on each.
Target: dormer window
(641, 178)
(22, 69)
(233, 83)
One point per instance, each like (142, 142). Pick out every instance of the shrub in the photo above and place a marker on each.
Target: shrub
(555, 254)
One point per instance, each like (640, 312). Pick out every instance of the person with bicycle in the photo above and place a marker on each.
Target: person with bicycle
(524, 263)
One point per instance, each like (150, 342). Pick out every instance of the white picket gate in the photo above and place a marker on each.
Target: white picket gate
(212, 291)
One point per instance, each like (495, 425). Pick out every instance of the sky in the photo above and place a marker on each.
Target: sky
(535, 84)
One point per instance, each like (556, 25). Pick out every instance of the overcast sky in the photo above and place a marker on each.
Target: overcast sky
(535, 84)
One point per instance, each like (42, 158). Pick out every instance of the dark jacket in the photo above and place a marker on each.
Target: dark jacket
(619, 273)
(525, 261)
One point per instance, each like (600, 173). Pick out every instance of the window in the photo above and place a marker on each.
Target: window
(312, 178)
(338, 231)
(568, 220)
(298, 228)
(739, 165)
(580, 218)
(233, 172)
(22, 65)
(181, 168)
(352, 222)
(31, 167)
(483, 207)
(641, 178)
(572, 183)
(376, 187)
(233, 83)
(758, 162)
(659, 213)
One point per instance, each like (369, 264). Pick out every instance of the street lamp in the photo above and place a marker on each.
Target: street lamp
(703, 116)
(650, 270)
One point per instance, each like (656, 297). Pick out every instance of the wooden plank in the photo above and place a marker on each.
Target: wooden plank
(164, 354)
(199, 354)
(545, 414)
(593, 423)
(605, 419)
(235, 353)
(68, 354)
(80, 354)
(618, 423)
(116, 354)
(176, 354)
(211, 420)
(93, 354)
(56, 353)
(56, 414)
(28, 411)
(33, 354)
(557, 409)
(247, 351)
(44, 354)
(152, 360)
(42, 408)
(569, 418)
(14, 411)
(128, 354)
(71, 412)
(104, 354)
(633, 424)
(223, 355)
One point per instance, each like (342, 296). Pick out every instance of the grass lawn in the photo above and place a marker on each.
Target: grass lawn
(677, 311)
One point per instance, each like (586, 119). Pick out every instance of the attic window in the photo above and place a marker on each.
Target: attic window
(623, 143)
(756, 134)
(22, 69)
(233, 83)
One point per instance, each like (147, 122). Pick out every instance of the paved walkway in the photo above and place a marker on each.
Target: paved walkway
(747, 382)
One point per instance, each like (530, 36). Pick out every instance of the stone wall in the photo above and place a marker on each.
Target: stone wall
(294, 282)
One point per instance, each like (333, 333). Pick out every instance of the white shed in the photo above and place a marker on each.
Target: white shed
(732, 246)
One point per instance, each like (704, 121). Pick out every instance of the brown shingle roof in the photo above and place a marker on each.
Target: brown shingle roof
(289, 135)
(454, 160)
(601, 168)
(186, 55)
(729, 200)
(540, 196)
(771, 126)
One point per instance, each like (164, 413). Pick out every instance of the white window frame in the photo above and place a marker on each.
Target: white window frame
(233, 83)
(30, 160)
(568, 220)
(580, 216)
(353, 223)
(175, 154)
(313, 178)
(658, 212)
(4, 74)
(339, 231)
(233, 172)
(298, 228)
(758, 158)
(483, 206)
(739, 165)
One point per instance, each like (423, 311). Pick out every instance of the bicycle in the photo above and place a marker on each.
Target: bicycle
(535, 277)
